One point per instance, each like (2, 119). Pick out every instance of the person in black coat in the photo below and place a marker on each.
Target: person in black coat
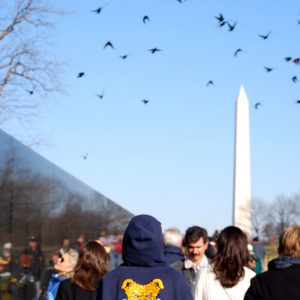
(281, 281)
(90, 267)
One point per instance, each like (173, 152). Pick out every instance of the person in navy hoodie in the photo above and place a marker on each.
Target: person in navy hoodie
(144, 273)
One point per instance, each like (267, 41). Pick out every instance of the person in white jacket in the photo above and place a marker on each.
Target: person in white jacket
(228, 278)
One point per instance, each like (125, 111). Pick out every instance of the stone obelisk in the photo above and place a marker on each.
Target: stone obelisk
(242, 175)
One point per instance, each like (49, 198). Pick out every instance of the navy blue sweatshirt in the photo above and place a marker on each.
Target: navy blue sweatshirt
(144, 273)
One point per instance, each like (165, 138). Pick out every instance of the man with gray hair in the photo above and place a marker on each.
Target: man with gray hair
(172, 245)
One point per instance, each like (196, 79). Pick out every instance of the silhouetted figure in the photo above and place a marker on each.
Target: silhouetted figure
(231, 27)
(294, 78)
(81, 74)
(288, 58)
(220, 18)
(30, 92)
(237, 51)
(210, 83)
(124, 56)
(257, 105)
(264, 37)
(145, 101)
(146, 18)
(298, 101)
(108, 44)
(153, 50)
(98, 10)
(296, 61)
(85, 156)
(100, 95)
(269, 69)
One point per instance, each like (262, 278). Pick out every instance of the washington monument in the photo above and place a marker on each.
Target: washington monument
(242, 174)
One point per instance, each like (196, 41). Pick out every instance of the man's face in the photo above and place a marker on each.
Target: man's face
(197, 250)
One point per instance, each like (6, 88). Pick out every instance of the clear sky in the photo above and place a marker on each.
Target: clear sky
(173, 157)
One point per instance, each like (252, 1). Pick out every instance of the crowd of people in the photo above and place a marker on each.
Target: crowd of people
(148, 264)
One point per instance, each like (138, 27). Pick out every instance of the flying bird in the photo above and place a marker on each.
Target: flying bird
(124, 56)
(221, 24)
(237, 51)
(153, 50)
(100, 95)
(80, 74)
(257, 105)
(85, 156)
(109, 44)
(264, 37)
(296, 61)
(145, 101)
(30, 92)
(269, 69)
(146, 18)
(210, 83)
(98, 10)
(294, 78)
(220, 18)
(298, 101)
(288, 58)
(231, 27)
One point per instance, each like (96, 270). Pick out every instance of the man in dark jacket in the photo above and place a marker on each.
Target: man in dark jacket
(172, 245)
(144, 273)
(196, 242)
(281, 281)
(37, 264)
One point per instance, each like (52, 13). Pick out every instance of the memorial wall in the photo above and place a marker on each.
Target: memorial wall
(39, 198)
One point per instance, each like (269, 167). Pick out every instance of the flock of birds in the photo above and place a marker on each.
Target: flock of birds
(222, 22)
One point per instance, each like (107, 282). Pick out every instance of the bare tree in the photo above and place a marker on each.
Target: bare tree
(258, 215)
(27, 72)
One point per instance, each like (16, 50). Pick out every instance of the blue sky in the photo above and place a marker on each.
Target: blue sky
(173, 158)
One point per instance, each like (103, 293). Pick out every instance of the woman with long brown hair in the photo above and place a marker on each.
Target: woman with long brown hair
(228, 278)
(90, 267)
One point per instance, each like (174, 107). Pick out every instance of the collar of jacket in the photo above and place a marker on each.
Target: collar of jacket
(283, 262)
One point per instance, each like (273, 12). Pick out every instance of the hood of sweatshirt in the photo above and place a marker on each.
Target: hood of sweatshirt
(142, 242)
(283, 262)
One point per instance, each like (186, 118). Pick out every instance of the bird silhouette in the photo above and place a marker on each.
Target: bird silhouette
(210, 83)
(296, 61)
(109, 44)
(298, 101)
(85, 156)
(30, 92)
(237, 51)
(100, 95)
(269, 69)
(257, 105)
(153, 50)
(294, 78)
(220, 18)
(231, 27)
(221, 24)
(80, 74)
(264, 37)
(98, 10)
(146, 18)
(124, 56)
(288, 58)
(145, 101)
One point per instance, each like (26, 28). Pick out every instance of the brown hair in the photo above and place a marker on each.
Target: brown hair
(91, 266)
(289, 244)
(232, 256)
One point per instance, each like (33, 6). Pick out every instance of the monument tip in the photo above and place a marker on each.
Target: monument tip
(242, 97)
